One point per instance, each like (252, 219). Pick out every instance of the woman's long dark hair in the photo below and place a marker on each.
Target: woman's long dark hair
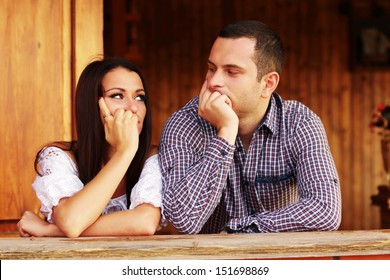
(90, 145)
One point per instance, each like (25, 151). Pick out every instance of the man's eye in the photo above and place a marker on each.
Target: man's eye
(212, 70)
(230, 72)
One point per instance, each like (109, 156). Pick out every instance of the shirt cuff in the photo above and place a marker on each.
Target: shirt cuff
(250, 224)
(220, 150)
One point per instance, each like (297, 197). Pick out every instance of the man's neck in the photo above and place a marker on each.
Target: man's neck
(248, 124)
(246, 130)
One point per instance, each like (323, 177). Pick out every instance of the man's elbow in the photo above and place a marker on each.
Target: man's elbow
(190, 227)
(335, 223)
(331, 221)
(181, 220)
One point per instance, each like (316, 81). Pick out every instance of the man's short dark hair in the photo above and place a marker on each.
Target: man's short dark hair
(269, 52)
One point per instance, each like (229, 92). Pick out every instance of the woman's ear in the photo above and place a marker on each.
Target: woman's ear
(270, 82)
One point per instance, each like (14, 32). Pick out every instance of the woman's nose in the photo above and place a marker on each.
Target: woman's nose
(131, 106)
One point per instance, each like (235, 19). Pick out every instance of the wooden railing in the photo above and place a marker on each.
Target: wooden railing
(374, 244)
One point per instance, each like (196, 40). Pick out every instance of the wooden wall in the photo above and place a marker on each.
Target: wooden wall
(44, 44)
(172, 39)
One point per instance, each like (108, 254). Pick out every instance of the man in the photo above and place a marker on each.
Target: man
(238, 158)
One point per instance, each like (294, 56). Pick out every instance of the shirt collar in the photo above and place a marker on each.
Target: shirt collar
(271, 118)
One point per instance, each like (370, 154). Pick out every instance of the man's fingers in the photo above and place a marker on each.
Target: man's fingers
(228, 101)
(204, 87)
(204, 94)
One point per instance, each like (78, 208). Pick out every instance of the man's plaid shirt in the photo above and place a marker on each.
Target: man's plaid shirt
(285, 181)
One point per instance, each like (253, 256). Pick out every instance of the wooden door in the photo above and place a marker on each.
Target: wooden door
(45, 45)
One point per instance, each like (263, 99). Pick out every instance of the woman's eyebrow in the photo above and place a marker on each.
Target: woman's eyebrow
(123, 90)
(114, 88)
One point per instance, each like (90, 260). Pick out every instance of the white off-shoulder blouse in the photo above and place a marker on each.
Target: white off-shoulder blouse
(60, 179)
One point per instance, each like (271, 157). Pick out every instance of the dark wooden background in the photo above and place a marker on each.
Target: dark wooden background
(170, 41)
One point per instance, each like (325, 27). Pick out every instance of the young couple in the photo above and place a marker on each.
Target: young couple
(237, 158)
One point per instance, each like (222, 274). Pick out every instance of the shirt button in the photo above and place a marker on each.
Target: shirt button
(246, 183)
(223, 153)
(239, 149)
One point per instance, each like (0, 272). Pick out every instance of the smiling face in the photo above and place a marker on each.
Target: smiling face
(124, 89)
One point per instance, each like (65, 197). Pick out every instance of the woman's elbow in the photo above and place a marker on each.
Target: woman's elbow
(148, 229)
(151, 216)
(70, 227)
(71, 230)
(72, 233)
(71, 223)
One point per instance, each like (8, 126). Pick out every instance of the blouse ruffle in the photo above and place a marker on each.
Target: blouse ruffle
(60, 179)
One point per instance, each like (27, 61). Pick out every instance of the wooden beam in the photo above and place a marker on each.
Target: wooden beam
(331, 245)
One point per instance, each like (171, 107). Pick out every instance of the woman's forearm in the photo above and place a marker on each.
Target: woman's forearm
(142, 220)
(75, 214)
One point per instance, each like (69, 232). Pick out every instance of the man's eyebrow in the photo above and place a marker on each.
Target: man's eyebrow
(227, 65)
(232, 66)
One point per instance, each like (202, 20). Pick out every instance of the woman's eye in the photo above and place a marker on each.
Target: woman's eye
(140, 97)
(116, 96)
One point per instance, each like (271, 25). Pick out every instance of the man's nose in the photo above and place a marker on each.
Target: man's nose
(215, 79)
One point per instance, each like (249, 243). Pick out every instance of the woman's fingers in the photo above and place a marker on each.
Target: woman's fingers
(19, 225)
(103, 108)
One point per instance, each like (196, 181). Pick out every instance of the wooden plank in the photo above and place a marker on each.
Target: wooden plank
(88, 33)
(48, 58)
(31, 99)
(216, 246)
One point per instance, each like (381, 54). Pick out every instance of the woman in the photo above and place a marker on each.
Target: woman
(109, 181)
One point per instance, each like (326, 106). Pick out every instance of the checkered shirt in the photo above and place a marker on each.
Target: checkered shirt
(285, 181)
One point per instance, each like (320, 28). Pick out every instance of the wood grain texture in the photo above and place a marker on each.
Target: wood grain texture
(31, 95)
(175, 43)
(45, 51)
(46, 44)
(366, 244)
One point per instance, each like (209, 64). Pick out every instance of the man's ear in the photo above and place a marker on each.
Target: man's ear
(270, 82)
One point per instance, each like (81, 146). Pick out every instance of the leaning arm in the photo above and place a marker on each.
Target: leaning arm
(319, 204)
(194, 174)
(142, 220)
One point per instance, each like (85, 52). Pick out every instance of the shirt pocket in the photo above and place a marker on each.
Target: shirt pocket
(275, 192)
